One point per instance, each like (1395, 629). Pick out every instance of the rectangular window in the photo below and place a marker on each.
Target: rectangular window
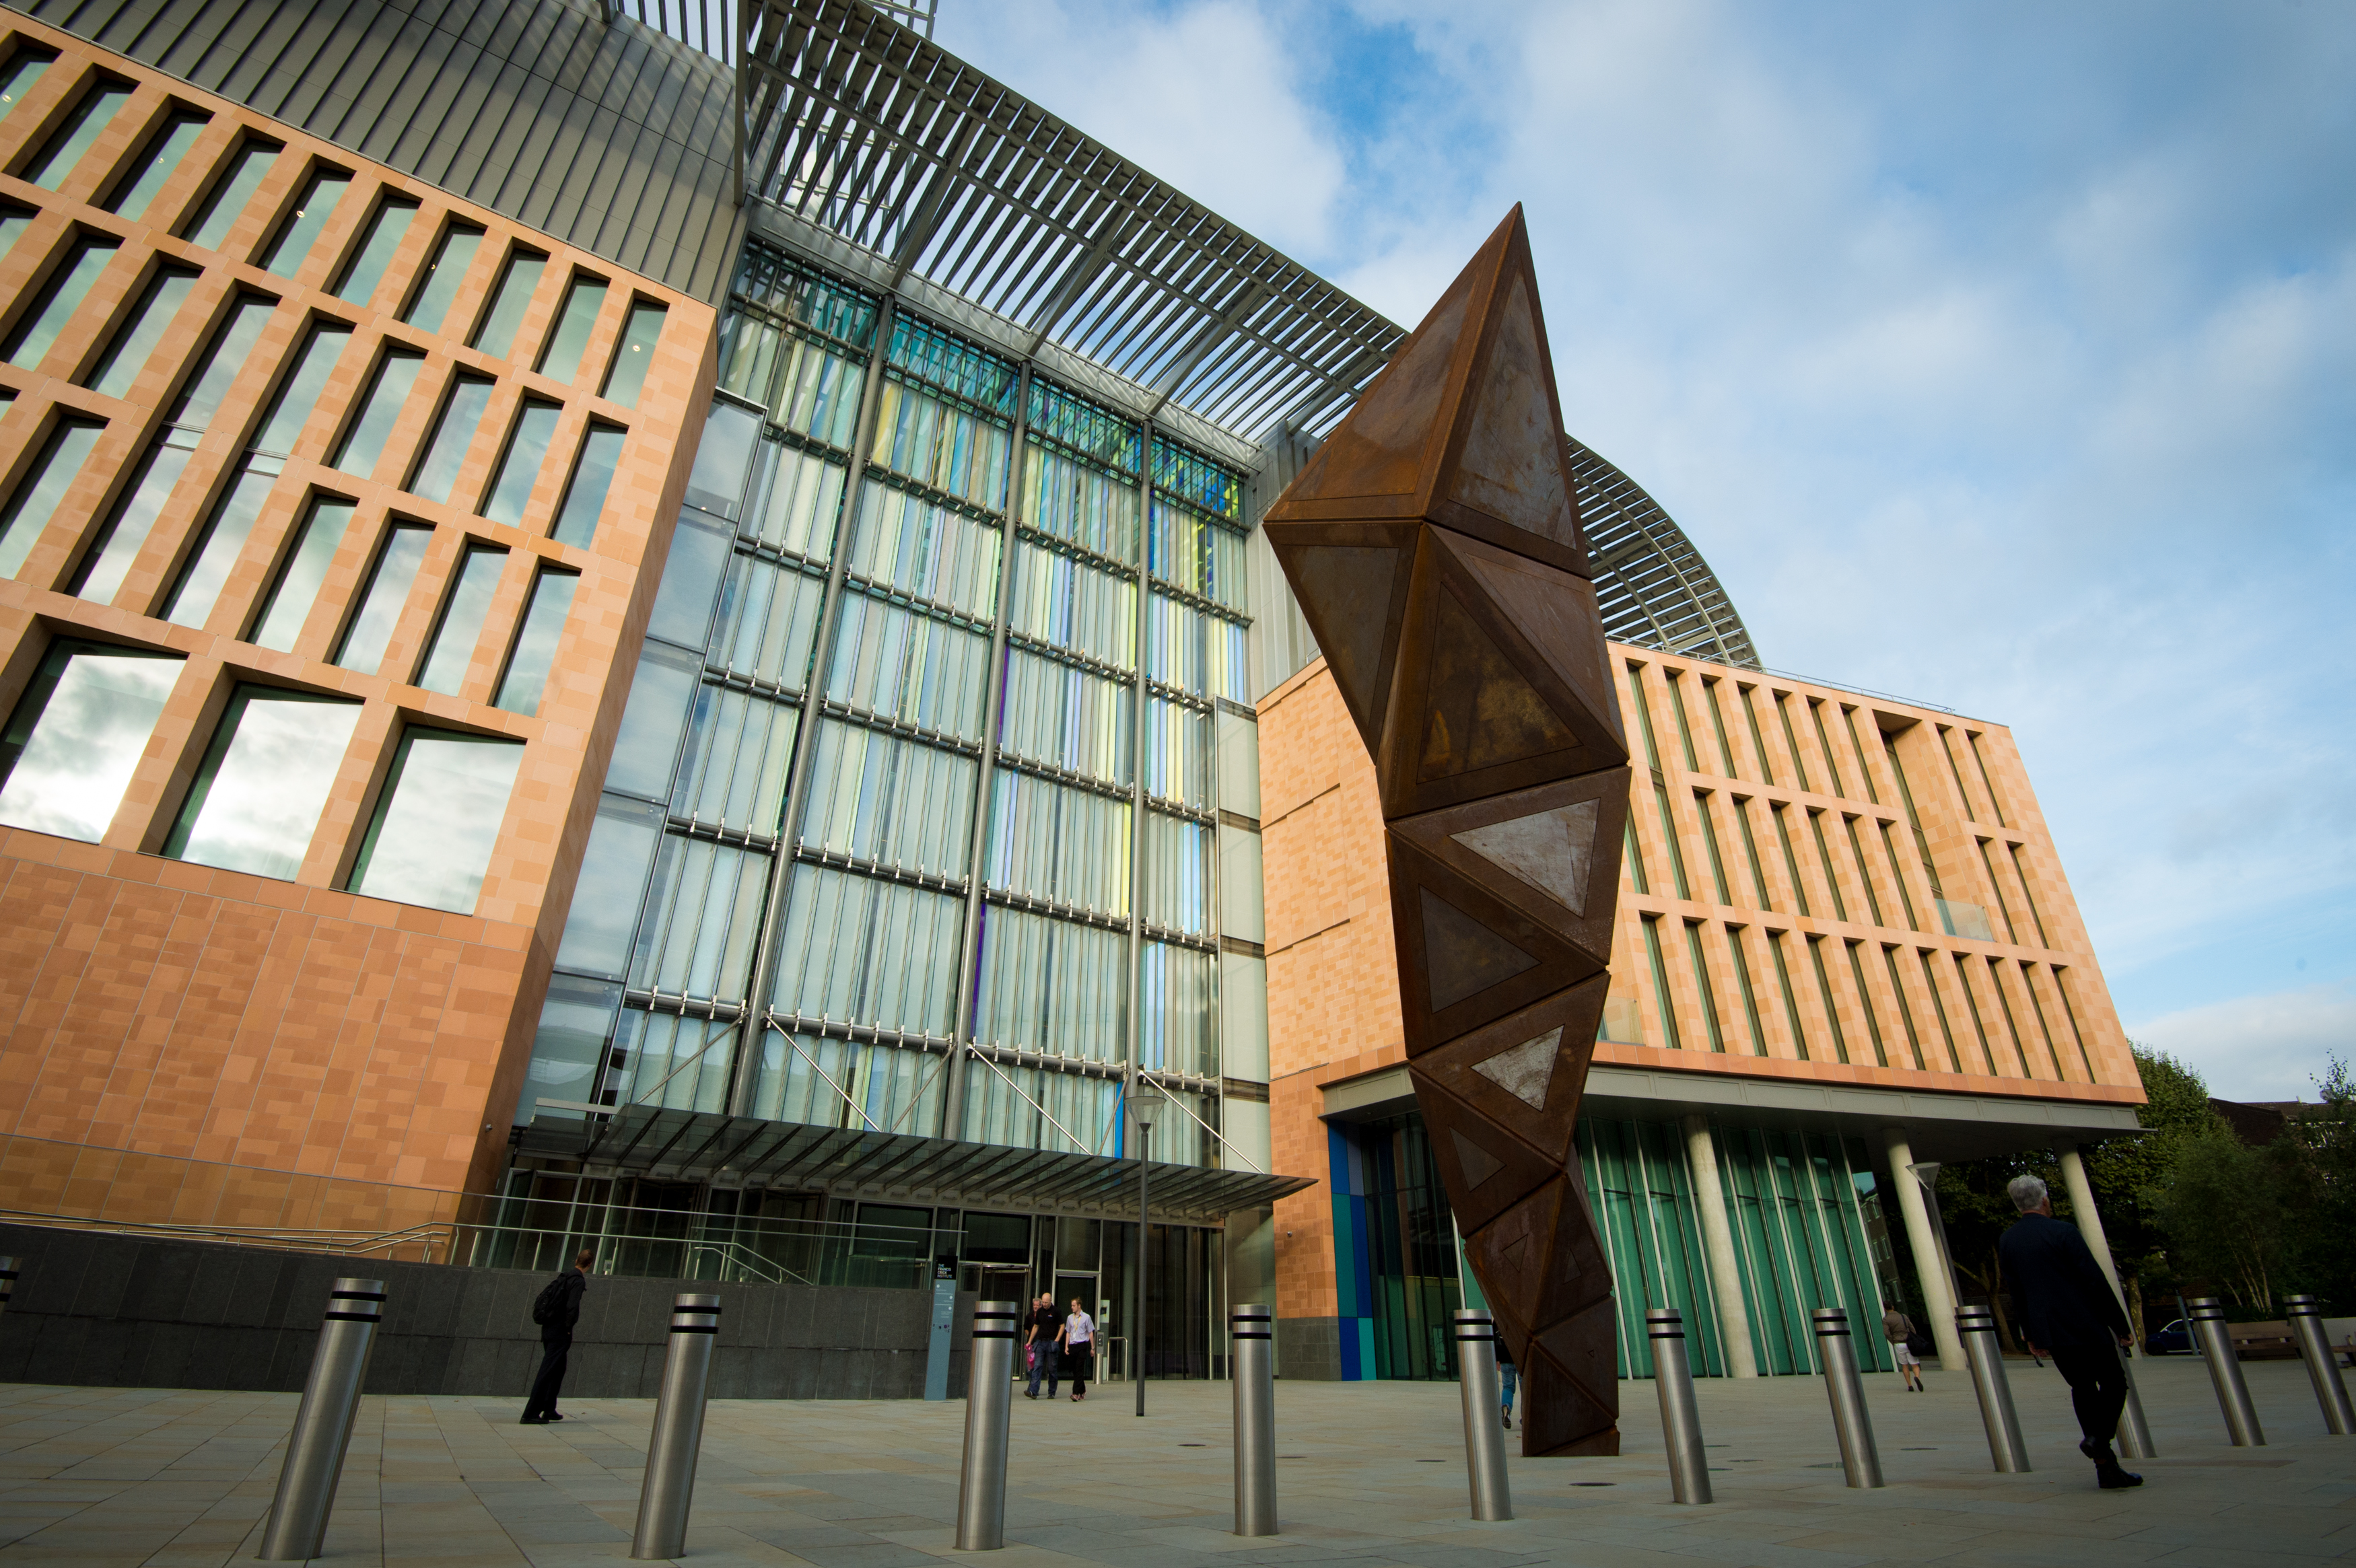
(1996, 886)
(2011, 1024)
(560, 360)
(1987, 782)
(381, 406)
(305, 224)
(41, 490)
(1825, 989)
(1669, 836)
(1710, 842)
(1750, 853)
(496, 336)
(233, 188)
(222, 542)
(264, 780)
(452, 647)
(1905, 1013)
(68, 286)
(527, 454)
(1898, 873)
(65, 147)
(1947, 749)
(1708, 992)
(1635, 857)
(1791, 740)
(1825, 745)
(1791, 997)
(158, 163)
(1864, 769)
(1825, 854)
(439, 286)
(2021, 869)
(1979, 1025)
(118, 545)
(17, 77)
(241, 329)
(454, 435)
(1939, 1008)
(1677, 711)
(1748, 696)
(1749, 992)
(2061, 989)
(1864, 870)
(437, 820)
(70, 749)
(1710, 691)
(1865, 1000)
(1790, 860)
(364, 641)
(627, 375)
(367, 268)
(143, 327)
(1913, 818)
(297, 588)
(1660, 982)
(300, 394)
(584, 492)
(535, 648)
(13, 221)
(1643, 713)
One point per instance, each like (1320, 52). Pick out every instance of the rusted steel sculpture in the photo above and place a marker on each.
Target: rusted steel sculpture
(1433, 542)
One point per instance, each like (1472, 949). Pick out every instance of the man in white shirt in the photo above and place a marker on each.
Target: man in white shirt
(1078, 1342)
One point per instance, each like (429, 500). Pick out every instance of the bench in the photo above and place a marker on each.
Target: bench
(2263, 1342)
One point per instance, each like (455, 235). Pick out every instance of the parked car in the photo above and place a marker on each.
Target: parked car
(2176, 1339)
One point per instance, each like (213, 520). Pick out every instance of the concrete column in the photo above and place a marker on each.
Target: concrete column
(2089, 1218)
(1725, 1271)
(1930, 1257)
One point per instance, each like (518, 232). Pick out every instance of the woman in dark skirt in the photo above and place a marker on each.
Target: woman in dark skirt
(1077, 1339)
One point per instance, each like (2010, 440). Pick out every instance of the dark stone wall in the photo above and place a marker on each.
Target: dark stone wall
(128, 1312)
(1308, 1347)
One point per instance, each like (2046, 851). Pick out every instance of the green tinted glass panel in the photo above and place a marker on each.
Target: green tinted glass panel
(68, 286)
(17, 77)
(239, 181)
(592, 476)
(628, 376)
(90, 117)
(363, 444)
(110, 560)
(230, 347)
(158, 163)
(297, 588)
(13, 221)
(519, 470)
(446, 453)
(224, 541)
(264, 781)
(76, 736)
(453, 647)
(310, 216)
(560, 360)
(438, 819)
(43, 486)
(443, 276)
(495, 337)
(302, 389)
(159, 305)
(535, 649)
(386, 231)
(388, 588)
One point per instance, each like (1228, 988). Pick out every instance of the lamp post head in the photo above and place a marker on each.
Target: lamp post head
(1144, 1103)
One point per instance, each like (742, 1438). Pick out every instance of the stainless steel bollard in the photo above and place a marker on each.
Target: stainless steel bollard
(2225, 1372)
(2305, 1316)
(2134, 1432)
(1680, 1417)
(1484, 1428)
(677, 1438)
(323, 1424)
(1976, 1326)
(989, 1395)
(1851, 1422)
(1253, 1366)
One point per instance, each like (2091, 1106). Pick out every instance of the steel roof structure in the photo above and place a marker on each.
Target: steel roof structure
(1656, 590)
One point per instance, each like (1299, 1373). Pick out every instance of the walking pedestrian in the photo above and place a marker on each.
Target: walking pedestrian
(2071, 1315)
(1898, 1330)
(1079, 1339)
(1040, 1329)
(556, 1310)
(1509, 1378)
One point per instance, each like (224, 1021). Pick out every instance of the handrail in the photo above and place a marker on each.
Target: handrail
(319, 1238)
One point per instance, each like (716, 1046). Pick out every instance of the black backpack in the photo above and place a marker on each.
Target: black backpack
(548, 1306)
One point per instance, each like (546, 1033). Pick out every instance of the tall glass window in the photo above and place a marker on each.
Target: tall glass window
(496, 336)
(453, 434)
(304, 225)
(66, 145)
(157, 162)
(439, 286)
(143, 327)
(118, 545)
(628, 376)
(584, 494)
(233, 188)
(13, 221)
(535, 649)
(367, 268)
(304, 387)
(42, 488)
(305, 568)
(452, 647)
(76, 738)
(24, 69)
(371, 627)
(437, 820)
(68, 286)
(222, 542)
(560, 360)
(379, 411)
(263, 781)
(240, 330)
(519, 467)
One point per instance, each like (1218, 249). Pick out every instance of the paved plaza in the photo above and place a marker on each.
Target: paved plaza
(1370, 1474)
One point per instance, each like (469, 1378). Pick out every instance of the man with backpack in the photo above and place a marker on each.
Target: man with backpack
(556, 1310)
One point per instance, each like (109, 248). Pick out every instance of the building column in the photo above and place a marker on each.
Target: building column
(1930, 1257)
(2089, 1218)
(1725, 1271)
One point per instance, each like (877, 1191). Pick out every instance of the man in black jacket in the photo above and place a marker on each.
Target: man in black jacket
(555, 1340)
(2070, 1313)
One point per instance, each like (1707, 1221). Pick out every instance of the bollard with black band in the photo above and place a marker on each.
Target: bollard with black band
(8, 1281)
(1485, 1431)
(323, 1423)
(1253, 1329)
(989, 1395)
(677, 1438)
(2305, 1315)
(2216, 1343)
(2134, 1432)
(1976, 1326)
(1680, 1416)
(1861, 1463)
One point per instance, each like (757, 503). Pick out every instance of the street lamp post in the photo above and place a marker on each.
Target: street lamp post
(1144, 1101)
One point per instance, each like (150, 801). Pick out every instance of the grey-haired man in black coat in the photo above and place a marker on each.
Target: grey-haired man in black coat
(2070, 1313)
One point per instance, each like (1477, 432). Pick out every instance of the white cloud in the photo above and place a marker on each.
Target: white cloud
(2260, 1048)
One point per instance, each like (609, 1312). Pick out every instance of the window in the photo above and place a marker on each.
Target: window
(222, 542)
(628, 376)
(263, 781)
(380, 407)
(527, 452)
(142, 328)
(446, 451)
(43, 486)
(443, 276)
(240, 330)
(13, 221)
(535, 648)
(437, 820)
(304, 388)
(560, 360)
(302, 226)
(364, 642)
(452, 644)
(240, 178)
(72, 139)
(367, 268)
(77, 735)
(297, 588)
(612, 887)
(158, 163)
(496, 336)
(126, 532)
(584, 494)
(68, 286)
(17, 77)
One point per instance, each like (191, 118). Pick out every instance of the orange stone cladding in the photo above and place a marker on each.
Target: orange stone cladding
(212, 1047)
(2037, 1020)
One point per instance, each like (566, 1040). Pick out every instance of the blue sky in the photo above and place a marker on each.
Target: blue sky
(2000, 356)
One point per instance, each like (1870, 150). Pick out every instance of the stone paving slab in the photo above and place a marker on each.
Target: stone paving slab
(1371, 1475)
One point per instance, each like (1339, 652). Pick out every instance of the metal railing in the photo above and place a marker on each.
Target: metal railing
(434, 1242)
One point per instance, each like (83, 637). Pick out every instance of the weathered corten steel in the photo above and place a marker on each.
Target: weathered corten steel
(1434, 545)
